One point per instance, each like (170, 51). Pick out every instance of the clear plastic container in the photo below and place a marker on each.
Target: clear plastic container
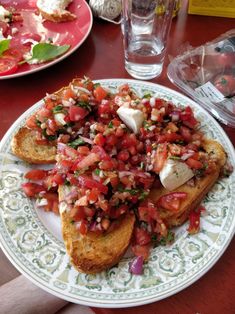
(207, 74)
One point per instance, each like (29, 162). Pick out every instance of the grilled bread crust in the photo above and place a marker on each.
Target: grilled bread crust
(93, 253)
(61, 15)
(24, 144)
(195, 194)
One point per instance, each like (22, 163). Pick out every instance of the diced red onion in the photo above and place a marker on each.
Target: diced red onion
(152, 101)
(124, 173)
(76, 89)
(87, 140)
(40, 202)
(95, 177)
(71, 195)
(61, 147)
(187, 155)
(175, 116)
(191, 182)
(141, 174)
(93, 226)
(66, 103)
(77, 225)
(136, 266)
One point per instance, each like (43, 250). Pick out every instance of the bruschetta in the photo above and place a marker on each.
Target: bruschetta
(127, 169)
(55, 10)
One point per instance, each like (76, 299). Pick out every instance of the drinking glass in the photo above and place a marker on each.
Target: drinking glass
(145, 26)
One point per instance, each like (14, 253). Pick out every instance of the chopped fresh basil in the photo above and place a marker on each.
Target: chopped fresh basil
(67, 183)
(131, 191)
(143, 195)
(49, 137)
(76, 143)
(4, 45)
(38, 122)
(168, 239)
(57, 109)
(148, 95)
(84, 104)
(97, 171)
(147, 124)
(110, 125)
(96, 85)
(174, 157)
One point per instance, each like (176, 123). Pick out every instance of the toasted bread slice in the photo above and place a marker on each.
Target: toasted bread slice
(195, 194)
(55, 10)
(24, 146)
(93, 253)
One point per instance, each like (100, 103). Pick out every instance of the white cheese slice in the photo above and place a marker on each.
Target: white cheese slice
(174, 174)
(133, 118)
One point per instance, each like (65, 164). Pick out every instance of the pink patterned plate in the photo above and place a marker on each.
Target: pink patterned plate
(71, 33)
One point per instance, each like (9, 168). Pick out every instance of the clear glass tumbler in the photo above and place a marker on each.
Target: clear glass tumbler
(145, 26)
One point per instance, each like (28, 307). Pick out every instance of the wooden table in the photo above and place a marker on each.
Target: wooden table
(101, 56)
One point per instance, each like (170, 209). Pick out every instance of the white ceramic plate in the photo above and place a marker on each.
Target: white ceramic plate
(31, 239)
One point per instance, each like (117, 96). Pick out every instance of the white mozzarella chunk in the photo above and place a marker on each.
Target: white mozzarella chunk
(133, 118)
(174, 174)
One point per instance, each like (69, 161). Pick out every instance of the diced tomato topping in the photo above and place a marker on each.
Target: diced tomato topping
(142, 237)
(106, 165)
(77, 213)
(83, 228)
(49, 103)
(93, 195)
(186, 133)
(43, 113)
(160, 157)
(77, 113)
(68, 93)
(32, 189)
(105, 108)
(52, 202)
(99, 139)
(101, 152)
(194, 220)
(172, 201)
(194, 164)
(58, 179)
(141, 250)
(89, 183)
(88, 161)
(31, 122)
(83, 150)
(111, 140)
(36, 174)
(123, 155)
(100, 93)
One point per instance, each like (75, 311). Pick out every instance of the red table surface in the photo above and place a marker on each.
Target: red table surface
(101, 56)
